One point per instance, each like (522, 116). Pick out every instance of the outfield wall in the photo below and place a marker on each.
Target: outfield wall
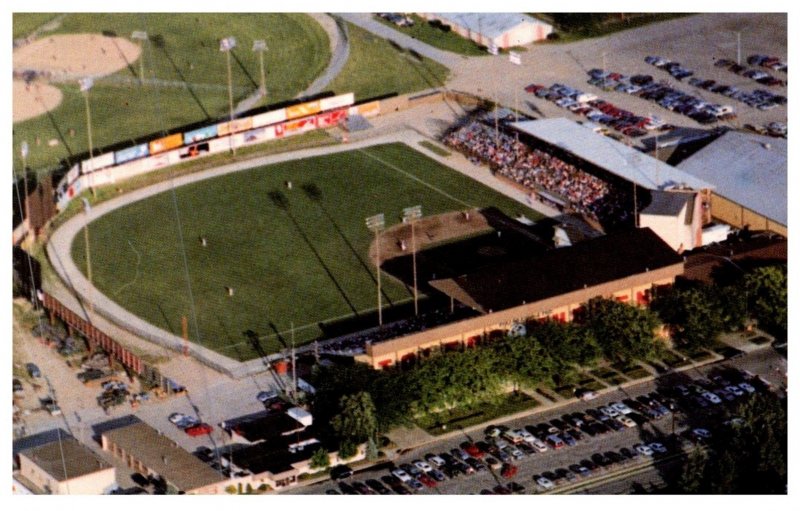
(108, 168)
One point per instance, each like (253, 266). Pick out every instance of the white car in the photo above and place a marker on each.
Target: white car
(658, 447)
(175, 418)
(545, 483)
(436, 460)
(701, 433)
(643, 449)
(747, 388)
(626, 421)
(621, 408)
(401, 474)
(712, 398)
(538, 445)
(526, 436)
(611, 412)
(422, 466)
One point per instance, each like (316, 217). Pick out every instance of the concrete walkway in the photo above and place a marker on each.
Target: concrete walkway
(340, 52)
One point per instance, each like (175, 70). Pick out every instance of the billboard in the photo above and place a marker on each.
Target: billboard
(337, 101)
(200, 134)
(219, 145)
(259, 135)
(98, 162)
(165, 143)
(268, 118)
(299, 126)
(370, 109)
(226, 128)
(328, 119)
(131, 153)
(302, 110)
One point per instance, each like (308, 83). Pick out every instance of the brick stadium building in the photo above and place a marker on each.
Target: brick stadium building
(553, 284)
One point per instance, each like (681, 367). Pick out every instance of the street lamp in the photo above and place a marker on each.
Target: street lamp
(375, 223)
(739, 48)
(410, 216)
(141, 36)
(24, 152)
(227, 45)
(260, 46)
(86, 85)
(87, 208)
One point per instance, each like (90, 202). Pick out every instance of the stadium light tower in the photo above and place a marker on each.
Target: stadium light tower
(260, 46)
(86, 85)
(226, 46)
(141, 36)
(410, 216)
(375, 223)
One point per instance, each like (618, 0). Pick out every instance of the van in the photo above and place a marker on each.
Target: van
(513, 437)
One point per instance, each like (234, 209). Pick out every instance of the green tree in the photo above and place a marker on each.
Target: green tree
(347, 449)
(694, 313)
(320, 458)
(569, 342)
(356, 420)
(624, 332)
(691, 480)
(767, 295)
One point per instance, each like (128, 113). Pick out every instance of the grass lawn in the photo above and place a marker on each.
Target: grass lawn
(187, 71)
(448, 41)
(434, 148)
(601, 24)
(23, 24)
(293, 257)
(377, 68)
(482, 412)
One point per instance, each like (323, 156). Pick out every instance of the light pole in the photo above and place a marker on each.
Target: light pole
(141, 36)
(87, 208)
(260, 46)
(410, 216)
(226, 46)
(24, 152)
(739, 48)
(86, 85)
(375, 223)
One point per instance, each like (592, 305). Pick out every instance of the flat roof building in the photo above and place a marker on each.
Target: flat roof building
(749, 177)
(65, 467)
(503, 29)
(149, 452)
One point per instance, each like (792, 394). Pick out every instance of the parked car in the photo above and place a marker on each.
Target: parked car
(422, 465)
(341, 472)
(544, 482)
(176, 417)
(401, 474)
(266, 395)
(199, 429)
(658, 447)
(18, 386)
(508, 471)
(643, 449)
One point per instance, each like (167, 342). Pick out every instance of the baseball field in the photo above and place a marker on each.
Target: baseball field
(291, 255)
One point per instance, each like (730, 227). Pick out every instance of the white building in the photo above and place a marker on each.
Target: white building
(65, 468)
(676, 216)
(504, 30)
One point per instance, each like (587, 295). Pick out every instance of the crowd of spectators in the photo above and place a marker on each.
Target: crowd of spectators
(539, 171)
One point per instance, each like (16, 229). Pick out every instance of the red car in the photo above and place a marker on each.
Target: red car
(200, 429)
(508, 471)
(473, 450)
(533, 88)
(427, 481)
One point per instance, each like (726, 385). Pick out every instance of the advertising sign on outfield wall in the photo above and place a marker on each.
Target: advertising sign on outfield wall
(328, 119)
(336, 101)
(97, 163)
(299, 126)
(302, 110)
(258, 135)
(234, 126)
(268, 118)
(163, 144)
(370, 109)
(219, 145)
(200, 134)
(131, 153)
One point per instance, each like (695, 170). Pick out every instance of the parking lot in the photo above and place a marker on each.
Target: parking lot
(692, 414)
(696, 42)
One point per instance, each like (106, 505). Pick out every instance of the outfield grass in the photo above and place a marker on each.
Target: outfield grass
(183, 49)
(448, 41)
(23, 24)
(292, 257)
(377, 68)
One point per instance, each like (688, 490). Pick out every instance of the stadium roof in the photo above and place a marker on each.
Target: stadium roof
(490, 24)
(608, 154)
(750, 170)
(559, 271)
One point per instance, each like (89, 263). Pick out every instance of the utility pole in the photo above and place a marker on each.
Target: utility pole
(141, 36)
(226, 46)
(85, 85)
(739, 48)
(260, 46)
